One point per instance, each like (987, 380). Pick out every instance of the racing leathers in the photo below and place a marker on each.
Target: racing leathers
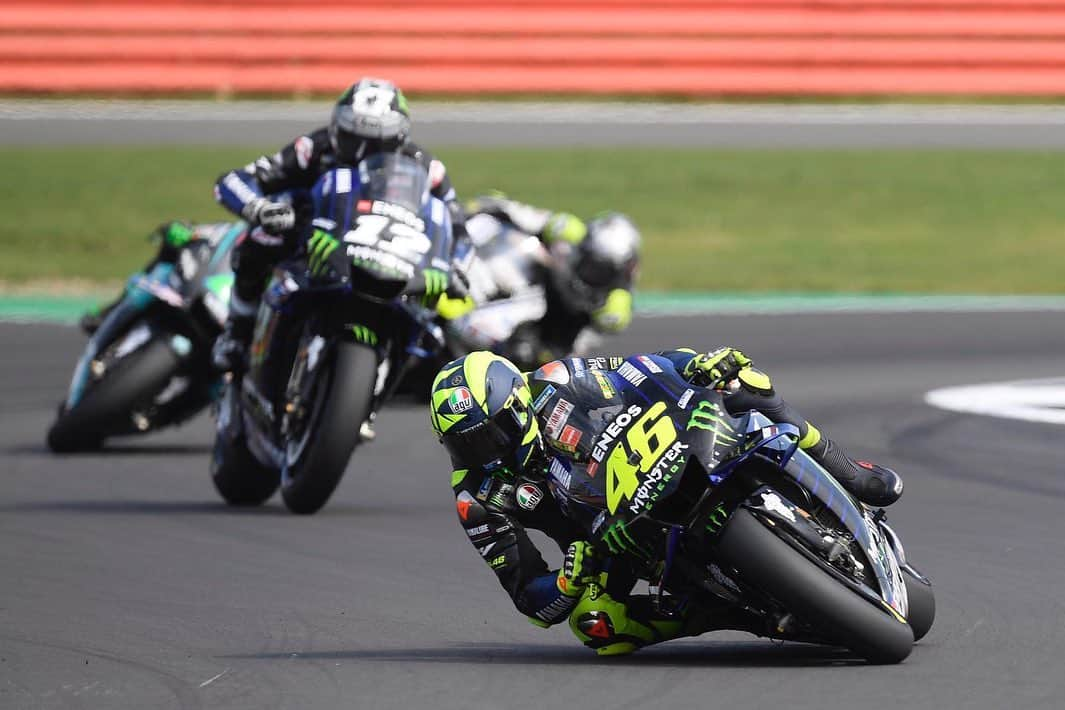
(539, 321)
(251, 191)
(601, 609)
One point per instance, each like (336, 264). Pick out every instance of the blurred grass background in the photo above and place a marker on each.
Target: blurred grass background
(713, 220)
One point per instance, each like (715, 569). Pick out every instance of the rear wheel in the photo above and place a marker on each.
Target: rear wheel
(108, 404)
(237, 475)
(319, 452)
(770, 564)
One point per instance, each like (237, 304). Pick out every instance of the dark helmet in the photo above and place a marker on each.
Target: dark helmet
(605, 259)
(481, 410)
(370, 117)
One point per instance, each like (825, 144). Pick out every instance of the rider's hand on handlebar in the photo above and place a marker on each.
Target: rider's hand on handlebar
(273, 217)
(716, 369)
(579, 568)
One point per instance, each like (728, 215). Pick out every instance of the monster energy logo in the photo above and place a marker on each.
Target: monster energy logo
(718, 518)
(706, 416)
(435, 284)
(320, 246)
(364, 335)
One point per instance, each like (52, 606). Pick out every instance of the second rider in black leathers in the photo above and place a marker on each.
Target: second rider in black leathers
(372, 116)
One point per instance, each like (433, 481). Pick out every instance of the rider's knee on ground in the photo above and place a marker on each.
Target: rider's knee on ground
(607, 625)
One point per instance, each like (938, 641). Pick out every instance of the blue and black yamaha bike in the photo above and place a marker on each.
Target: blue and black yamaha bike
(338, 328)
(148, 364)
(735, 515)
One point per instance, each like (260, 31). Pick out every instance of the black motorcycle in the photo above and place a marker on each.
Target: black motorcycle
(337, 330)
(148, 365)
(733, 513)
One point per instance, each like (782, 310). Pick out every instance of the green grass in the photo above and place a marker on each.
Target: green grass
(861, 221)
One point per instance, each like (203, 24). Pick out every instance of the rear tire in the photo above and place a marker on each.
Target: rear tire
(922, 605)
(318, 468)
(773, 566)
(237, 475)
(107, 405)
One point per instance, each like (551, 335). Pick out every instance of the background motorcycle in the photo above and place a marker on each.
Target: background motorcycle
(337, 330)
(148, 365)
(736, 513)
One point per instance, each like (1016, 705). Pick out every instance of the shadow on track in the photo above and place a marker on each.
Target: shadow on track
(755, 654)
(116, 450)
(139, 507)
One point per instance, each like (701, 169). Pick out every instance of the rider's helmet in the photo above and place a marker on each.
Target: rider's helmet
(605, 259)
(370, 117)
(481, 410)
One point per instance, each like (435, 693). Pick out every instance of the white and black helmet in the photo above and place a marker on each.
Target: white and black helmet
(607, 258)
(369, 117)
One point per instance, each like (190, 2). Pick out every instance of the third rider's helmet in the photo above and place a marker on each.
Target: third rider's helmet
(481, 410)
(370, 117)
(605, 259)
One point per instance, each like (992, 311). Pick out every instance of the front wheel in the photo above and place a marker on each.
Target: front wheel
(108, 405)
(773, 566)
(318, 454)
(237, 475)
(922, 611)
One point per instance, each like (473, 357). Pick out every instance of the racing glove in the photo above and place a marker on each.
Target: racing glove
(578, 569)
(436, 283)
(273, 217)
(716, 369)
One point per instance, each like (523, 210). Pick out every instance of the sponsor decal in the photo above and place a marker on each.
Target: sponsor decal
(479, 530)
(615, 362)
(364, 206)
(671, 463)
(541, 400)
(463, 503)
(570, 437)
(560, 473)
(498, 562)
(554, 371)
(650, 364)
(558, 418)
(605, 386)
(486, 549)
(685, 398)
(578, 365)
(593, 466)
(529, 496)
(500, 498)
(460, 400)
(485, 489)
(304, 150)
(456, 380)
(377, 260)
(613, 431)
(399, 213)
(630, 373)
(773, 503)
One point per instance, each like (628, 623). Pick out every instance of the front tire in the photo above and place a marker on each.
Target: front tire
(773, 566)
(922, 605)
(342, 404)
(107, 405)
(237, 475)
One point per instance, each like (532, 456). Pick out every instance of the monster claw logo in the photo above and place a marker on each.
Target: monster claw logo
(706, 415)
(320, 246)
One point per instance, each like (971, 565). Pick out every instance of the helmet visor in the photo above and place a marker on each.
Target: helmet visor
(488, 444)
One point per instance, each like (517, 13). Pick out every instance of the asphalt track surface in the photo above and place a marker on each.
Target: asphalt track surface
(127, 584)
(605, 124)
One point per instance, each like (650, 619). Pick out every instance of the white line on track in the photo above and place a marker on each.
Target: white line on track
(1028, 400)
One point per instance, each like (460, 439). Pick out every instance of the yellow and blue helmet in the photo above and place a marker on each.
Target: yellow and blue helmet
(481, 410)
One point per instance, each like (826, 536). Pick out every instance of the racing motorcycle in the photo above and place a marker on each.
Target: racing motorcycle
(337, 329)
(148, 365)
(508, 282)
(736, 514)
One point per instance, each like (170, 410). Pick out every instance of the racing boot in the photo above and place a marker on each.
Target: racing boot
(873, 485)
(230, 351)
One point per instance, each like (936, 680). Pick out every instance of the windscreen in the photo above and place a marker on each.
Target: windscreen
(395, 178)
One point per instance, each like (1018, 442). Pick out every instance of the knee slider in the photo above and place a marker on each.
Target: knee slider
(603, 624)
